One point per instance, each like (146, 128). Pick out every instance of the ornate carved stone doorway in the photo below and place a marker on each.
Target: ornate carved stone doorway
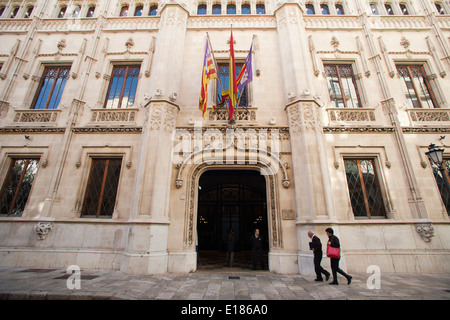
(230, 200)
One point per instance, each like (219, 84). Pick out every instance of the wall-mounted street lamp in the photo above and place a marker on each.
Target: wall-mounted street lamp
(437, 157)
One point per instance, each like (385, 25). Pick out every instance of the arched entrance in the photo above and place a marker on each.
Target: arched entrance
(230, 199)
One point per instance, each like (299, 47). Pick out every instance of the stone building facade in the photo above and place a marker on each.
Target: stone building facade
(103, 147)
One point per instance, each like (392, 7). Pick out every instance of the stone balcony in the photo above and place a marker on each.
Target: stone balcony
(427, 116)
(35, 117)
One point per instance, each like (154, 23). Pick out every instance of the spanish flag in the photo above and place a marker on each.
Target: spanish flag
(232, 86)
(208, 72)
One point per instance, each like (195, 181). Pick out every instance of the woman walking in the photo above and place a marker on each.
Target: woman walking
(333, 242)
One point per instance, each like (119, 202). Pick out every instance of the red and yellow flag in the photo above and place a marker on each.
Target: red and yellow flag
(232, 86)
(208, 73)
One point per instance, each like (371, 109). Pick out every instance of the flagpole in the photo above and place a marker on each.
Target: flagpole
(232, 117)
(242, 91)
(215, 64)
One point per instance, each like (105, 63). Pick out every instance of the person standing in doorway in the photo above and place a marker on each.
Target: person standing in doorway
(333, 241)
(257, 249)
(316, 246)
(231, 239)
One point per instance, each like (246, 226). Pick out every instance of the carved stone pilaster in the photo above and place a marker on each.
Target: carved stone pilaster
(304, 116)
(4, 107)
(7, 64)
(162, 116)
(313, 195)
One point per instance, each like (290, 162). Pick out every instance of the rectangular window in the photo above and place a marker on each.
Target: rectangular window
(101, 190)
(51, 88)
(224, 76)
(442, 186)
(416, 86)
(342, 86)
(122, 87)
(364, 189)
(17, 186)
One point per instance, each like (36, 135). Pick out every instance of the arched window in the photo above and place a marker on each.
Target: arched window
(245, 9)
(138, 11)
(231, 9)
(62, 12)
(76, 11)
(216, 9)
(201, 9)
(14, 12)
(260, 8)
(90, 12)
(374, 9)
(28, 12)
(153, 10)
(340, 9)
(389, 10)
(439, 8)
(124, 11)
(310, 9)
(404, 9)
(324, 8)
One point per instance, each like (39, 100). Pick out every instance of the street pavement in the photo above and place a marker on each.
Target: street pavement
(220, 284)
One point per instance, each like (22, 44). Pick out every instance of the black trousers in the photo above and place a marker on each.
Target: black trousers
(318, 268)
(257, 254)
(335, 269)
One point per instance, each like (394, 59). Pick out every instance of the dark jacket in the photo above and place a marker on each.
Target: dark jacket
(315, 245)
(257, 243)
(334, 241)
(231, 239)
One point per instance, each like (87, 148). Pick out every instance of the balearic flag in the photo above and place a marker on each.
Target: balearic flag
(208, 73)
(232, 86)
(246, 74)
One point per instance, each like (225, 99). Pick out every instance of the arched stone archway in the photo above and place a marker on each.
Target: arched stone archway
(273, 214)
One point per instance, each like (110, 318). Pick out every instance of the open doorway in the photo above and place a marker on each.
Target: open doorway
(230, 200)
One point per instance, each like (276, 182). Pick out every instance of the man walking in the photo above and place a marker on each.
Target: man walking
(316, 246)
(257, 249)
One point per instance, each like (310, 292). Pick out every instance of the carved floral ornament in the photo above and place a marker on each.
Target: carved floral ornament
(212, 154)
(43, 228)
(426, 231)
(304, 117)
(129, 43)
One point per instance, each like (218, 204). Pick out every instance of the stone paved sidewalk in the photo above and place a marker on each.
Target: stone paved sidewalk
(224, 284)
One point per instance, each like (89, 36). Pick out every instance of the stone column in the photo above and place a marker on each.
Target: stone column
(310, 173)
(146, 251)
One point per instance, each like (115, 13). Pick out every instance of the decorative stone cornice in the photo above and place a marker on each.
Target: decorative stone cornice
(107, 130)
(355, 129)
(19, 130)
(426, 129)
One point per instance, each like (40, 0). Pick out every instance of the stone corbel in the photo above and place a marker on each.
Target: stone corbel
(386, 58)
(43, 228)
(432, 48)
(426, 231)
(12, 55)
